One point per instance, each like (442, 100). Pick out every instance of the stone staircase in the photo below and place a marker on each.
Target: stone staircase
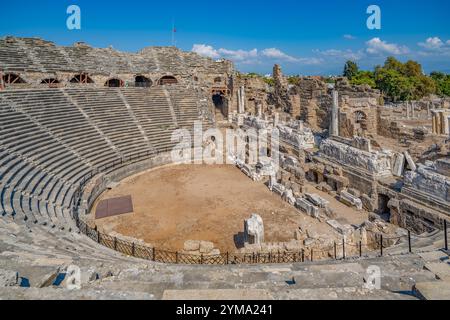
(42, 257)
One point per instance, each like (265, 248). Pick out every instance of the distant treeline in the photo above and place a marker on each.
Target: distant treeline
(399, 81)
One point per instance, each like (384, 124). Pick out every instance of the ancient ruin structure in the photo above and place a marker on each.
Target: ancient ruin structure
(76, 121)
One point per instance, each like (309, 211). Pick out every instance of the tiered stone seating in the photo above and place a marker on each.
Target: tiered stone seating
(41, 259)
(14, 58)
(53, 138)
(152, 110)
(185, 105)
(108, 111)
(33, 54)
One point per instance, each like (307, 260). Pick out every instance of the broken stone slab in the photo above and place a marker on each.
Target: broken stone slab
(350, 200)
(48, 279)
(411, 164)
(8, 278)
(342, 229)
(206, 246)
(288, 196)
(278, 189)
(192, 245)
(307, 207)
(399, 165)
(317, 200)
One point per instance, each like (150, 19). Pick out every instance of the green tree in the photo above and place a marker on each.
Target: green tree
(350, 69)
(364, 77)
(442, 83)
(412, 69)
(393, 64)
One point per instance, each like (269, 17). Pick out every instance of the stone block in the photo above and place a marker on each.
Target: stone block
(206, 246)
(350, 200)
(192, 245)
(317, 200)
(411, 164)
(254, 230)
(8, 278)
(307, 207)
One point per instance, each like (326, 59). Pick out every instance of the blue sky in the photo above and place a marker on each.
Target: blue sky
(305, 37)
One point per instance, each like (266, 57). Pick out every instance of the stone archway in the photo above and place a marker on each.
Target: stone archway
(142, 82)
(360, 119)
(114, 83)
(12, 78)
(167, 80)
(383, 207)
(82, 78)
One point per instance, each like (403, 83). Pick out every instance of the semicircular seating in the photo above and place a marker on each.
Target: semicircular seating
(52, 139)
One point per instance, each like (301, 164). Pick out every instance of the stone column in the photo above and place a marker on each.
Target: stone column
(439, 122)
(242, 110)
(433, 122)
(448, 125)
(334, 125)
(259, 110)
(276, 119)
(444, 123)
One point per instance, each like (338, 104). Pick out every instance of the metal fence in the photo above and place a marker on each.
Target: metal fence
(337, 251)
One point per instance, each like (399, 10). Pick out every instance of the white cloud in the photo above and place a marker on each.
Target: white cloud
(250, 56)
(349, 37)
(448, 42)
(238, 55)
(342, 54)
(274, 53)
(432, 43)
(205, 51)
(378, 46)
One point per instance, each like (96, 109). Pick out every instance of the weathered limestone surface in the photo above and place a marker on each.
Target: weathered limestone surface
(350, 200)
(297, 135)
(307, 207)
(412, 166)
(376, 163)
(8, 278)
(317, 200)
(428, 181)
(399, 165)
(254, 230)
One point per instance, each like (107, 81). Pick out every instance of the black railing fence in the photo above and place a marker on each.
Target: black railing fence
(338, 251)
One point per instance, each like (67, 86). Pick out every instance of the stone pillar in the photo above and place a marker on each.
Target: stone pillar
(407, 110)
(276, 119)
(433, 122)
(259, 110)
(444, 123)
(334, 124)
(448, 126)
(242, 99)
(254, 230)
(438, 123)
(412, 109)
(428, 109)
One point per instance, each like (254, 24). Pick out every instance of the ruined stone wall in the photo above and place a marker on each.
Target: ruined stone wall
(256, 94)
(34, 59)
(358, 109)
